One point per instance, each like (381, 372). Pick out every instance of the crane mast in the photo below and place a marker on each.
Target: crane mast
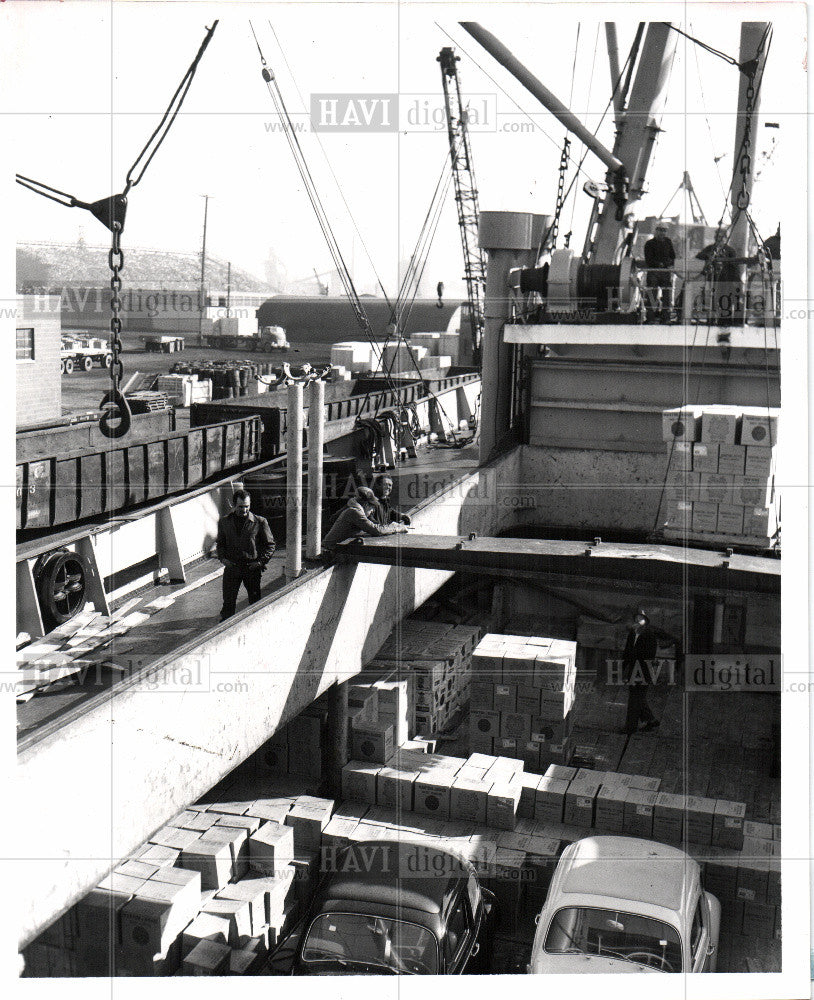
(466, 195)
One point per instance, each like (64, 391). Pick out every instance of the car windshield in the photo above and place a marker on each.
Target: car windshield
(383, 942)
(615, 934)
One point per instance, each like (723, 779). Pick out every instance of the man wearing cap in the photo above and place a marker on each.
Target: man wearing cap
(357, 518)
(640, 650)
(660, 258)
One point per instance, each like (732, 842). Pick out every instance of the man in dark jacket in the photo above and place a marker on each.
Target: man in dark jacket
(357, 518)
(640, 650)
(384, 513)
(660, 258)
(245, 545)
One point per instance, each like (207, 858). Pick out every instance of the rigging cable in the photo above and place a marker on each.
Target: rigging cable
(116, 418)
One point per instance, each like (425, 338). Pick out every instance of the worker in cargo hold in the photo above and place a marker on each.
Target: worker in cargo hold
(356, 519)
(660, 258)
(245, 546)
(384, 513)
(637, 659)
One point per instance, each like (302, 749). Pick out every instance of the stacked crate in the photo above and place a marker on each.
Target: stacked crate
(522, 698)
(720, 484)
(438, 657)
(296, 749)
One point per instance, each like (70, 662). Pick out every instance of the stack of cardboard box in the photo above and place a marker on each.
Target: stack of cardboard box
(721, 470)
(522, 698)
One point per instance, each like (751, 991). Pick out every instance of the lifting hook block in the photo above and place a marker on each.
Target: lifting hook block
(114, 408)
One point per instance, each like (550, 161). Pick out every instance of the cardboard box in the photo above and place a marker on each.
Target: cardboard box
(394, 788)
(308, 819)
(481, 760)
(705, 458)
(759, 426)
(373, 744)
(254, 893)
(727, 824)
(503, 799)
(680, 456)
(265, 810)
(681, 423)
(208, 958)
(580, 799)
(760, 461)
(730, 519)
(515, 726)
(668, 818)
(468, 800)
(482, 694)
(432, 794)
(530, 753)
(141, 870)
(759, 522)
(487, 662)
(639, 805)
(732, 459)
(170, 836)
(704, 517)
(271, 848)
(486, 724)
(715, 488)
(205, 927)
(359, 781)
(212, 859)
(528, 795)
(682, 487)
(247, 823)
(699, 813)
(610, 808)
(560, 771)
(337, 833)
(719, 424)
(150, 928)
(505, 698)
(678, 516)
(753, 491)
(528, 699)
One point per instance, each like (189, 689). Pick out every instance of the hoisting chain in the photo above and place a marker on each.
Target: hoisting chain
(745, 166)
(114, 406)
(555, 225)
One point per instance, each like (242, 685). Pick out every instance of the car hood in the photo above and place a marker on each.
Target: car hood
(584, 963)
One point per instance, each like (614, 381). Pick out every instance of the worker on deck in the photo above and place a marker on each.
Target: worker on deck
(660, 258)
(640, 650)
(356, 519)
(245, 546)
(384, 513)
(772, 245)
(724, 275)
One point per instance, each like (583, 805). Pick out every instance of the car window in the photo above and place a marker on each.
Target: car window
(367, 940)
(630, 937)
(458, 923)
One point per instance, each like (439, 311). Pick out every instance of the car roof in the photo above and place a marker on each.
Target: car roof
(401, 874)
(626, 868)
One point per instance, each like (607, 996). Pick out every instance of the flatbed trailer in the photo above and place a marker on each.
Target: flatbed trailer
(82, 353)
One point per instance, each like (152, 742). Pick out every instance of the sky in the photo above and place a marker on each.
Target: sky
(79, 111)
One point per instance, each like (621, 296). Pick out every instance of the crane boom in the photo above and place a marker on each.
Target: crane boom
(466, 195)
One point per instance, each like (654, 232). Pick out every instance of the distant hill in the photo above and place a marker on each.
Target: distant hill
(52, 265)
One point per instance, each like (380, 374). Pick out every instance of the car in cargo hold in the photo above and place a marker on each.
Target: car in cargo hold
(392, 907)
(620, 904)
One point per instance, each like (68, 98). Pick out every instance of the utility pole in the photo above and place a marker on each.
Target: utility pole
(202, 296)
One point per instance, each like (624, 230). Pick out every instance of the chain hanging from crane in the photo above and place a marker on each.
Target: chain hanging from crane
(554, 228)
(116, 418)
(745, 165)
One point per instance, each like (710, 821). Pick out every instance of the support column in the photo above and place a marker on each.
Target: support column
(293, 516)
(316, 441)
(511, 240)
(337, 736)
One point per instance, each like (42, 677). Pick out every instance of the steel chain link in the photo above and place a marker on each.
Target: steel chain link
(115, 261)
(745, 166)
(555, 225)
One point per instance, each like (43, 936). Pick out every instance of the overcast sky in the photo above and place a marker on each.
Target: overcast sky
(87, 82)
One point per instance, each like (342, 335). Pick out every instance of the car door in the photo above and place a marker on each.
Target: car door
(459, 933)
